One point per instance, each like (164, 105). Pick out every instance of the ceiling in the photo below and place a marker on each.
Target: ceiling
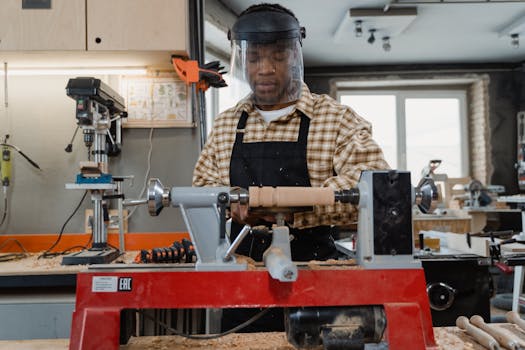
(442, 31)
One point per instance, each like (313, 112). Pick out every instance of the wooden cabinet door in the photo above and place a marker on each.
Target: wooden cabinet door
(143, 25)
(63, 27)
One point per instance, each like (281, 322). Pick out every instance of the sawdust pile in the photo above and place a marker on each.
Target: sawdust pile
(244, 341)
(250, 263)
(31, 263)
(333, 264)
(447, 338)
(453, 338)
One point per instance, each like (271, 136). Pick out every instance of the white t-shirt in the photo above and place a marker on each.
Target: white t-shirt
(272, 115)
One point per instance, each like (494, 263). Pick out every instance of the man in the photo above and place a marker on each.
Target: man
(283, 135)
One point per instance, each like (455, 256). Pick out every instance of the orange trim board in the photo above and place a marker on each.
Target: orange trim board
(133, 241)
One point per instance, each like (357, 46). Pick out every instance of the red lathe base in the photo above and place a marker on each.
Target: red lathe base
(102, 295)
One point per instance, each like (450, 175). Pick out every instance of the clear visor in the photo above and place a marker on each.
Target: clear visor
(271, 72)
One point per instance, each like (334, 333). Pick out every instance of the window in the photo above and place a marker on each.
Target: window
(414, 127)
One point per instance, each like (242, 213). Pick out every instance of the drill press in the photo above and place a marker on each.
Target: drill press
(99, 113)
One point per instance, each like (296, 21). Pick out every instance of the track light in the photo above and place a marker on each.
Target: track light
(515, 40)
(358, 29)
(386, 43)
(372, 38)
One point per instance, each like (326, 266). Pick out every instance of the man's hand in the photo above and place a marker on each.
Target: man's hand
(239, 213)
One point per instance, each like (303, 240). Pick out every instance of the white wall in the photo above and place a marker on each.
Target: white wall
(41, 120)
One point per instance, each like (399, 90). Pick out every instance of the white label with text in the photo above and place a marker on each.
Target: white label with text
(104, 284)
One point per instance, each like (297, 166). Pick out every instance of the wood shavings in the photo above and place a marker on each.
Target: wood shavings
(240, 341)
(447, 338)
(33, 265)
(251, 264)
(453, 338)
(333, 264)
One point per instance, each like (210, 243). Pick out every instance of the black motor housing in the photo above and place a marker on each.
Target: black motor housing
(338, 327)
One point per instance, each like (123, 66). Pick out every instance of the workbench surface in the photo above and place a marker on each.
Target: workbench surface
(448, 338)
(31, 264)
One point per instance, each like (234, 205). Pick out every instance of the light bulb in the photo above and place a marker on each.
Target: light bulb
(386, 43)
(358, 29)
(372, 38)
(515, 40)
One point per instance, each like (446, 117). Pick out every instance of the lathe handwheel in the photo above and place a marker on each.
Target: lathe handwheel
(441, 296)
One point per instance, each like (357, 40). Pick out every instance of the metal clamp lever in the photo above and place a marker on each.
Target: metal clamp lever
(233, 247)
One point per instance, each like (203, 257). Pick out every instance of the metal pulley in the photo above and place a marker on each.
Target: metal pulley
(158, 197)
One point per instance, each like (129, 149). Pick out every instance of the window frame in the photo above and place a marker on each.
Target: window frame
(401, 95)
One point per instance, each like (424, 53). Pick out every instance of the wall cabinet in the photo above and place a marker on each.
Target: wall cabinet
(63, 27)
(96, 25)
(137, 25)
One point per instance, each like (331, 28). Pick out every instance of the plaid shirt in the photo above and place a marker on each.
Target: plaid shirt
(339, 142)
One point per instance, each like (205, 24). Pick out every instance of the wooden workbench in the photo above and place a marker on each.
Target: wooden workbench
(447, 338)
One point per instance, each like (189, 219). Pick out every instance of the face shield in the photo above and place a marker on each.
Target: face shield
(273, 72)
(266, 58)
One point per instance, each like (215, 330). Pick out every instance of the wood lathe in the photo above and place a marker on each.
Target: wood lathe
(379, 304)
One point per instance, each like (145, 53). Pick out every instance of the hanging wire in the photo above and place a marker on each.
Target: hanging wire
(47, 253)
(206, 336)
(13, 256)
(146, 176)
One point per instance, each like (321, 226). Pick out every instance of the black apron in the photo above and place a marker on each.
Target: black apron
(277, 164)
(273, 164)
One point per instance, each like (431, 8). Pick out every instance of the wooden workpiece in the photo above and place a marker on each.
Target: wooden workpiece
(283, 197)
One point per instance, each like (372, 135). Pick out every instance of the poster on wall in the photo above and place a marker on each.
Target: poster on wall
(159, 101)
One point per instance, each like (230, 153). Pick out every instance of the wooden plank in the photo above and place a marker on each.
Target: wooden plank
(479, 245)
(38, 344)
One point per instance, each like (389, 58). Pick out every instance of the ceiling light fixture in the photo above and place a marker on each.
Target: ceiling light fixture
(372, 38)
(358, 29)
(386, 43)
(515, 40)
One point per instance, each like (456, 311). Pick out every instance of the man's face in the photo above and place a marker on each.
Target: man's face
(269, 72)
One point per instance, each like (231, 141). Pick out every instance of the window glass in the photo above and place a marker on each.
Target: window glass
(433, 132)
(380, 110)
(414, 127)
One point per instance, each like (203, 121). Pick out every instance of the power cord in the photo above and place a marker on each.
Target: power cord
(146, 176)
(13, 256)
(6, 202)
(47, 253)
(206, 336)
